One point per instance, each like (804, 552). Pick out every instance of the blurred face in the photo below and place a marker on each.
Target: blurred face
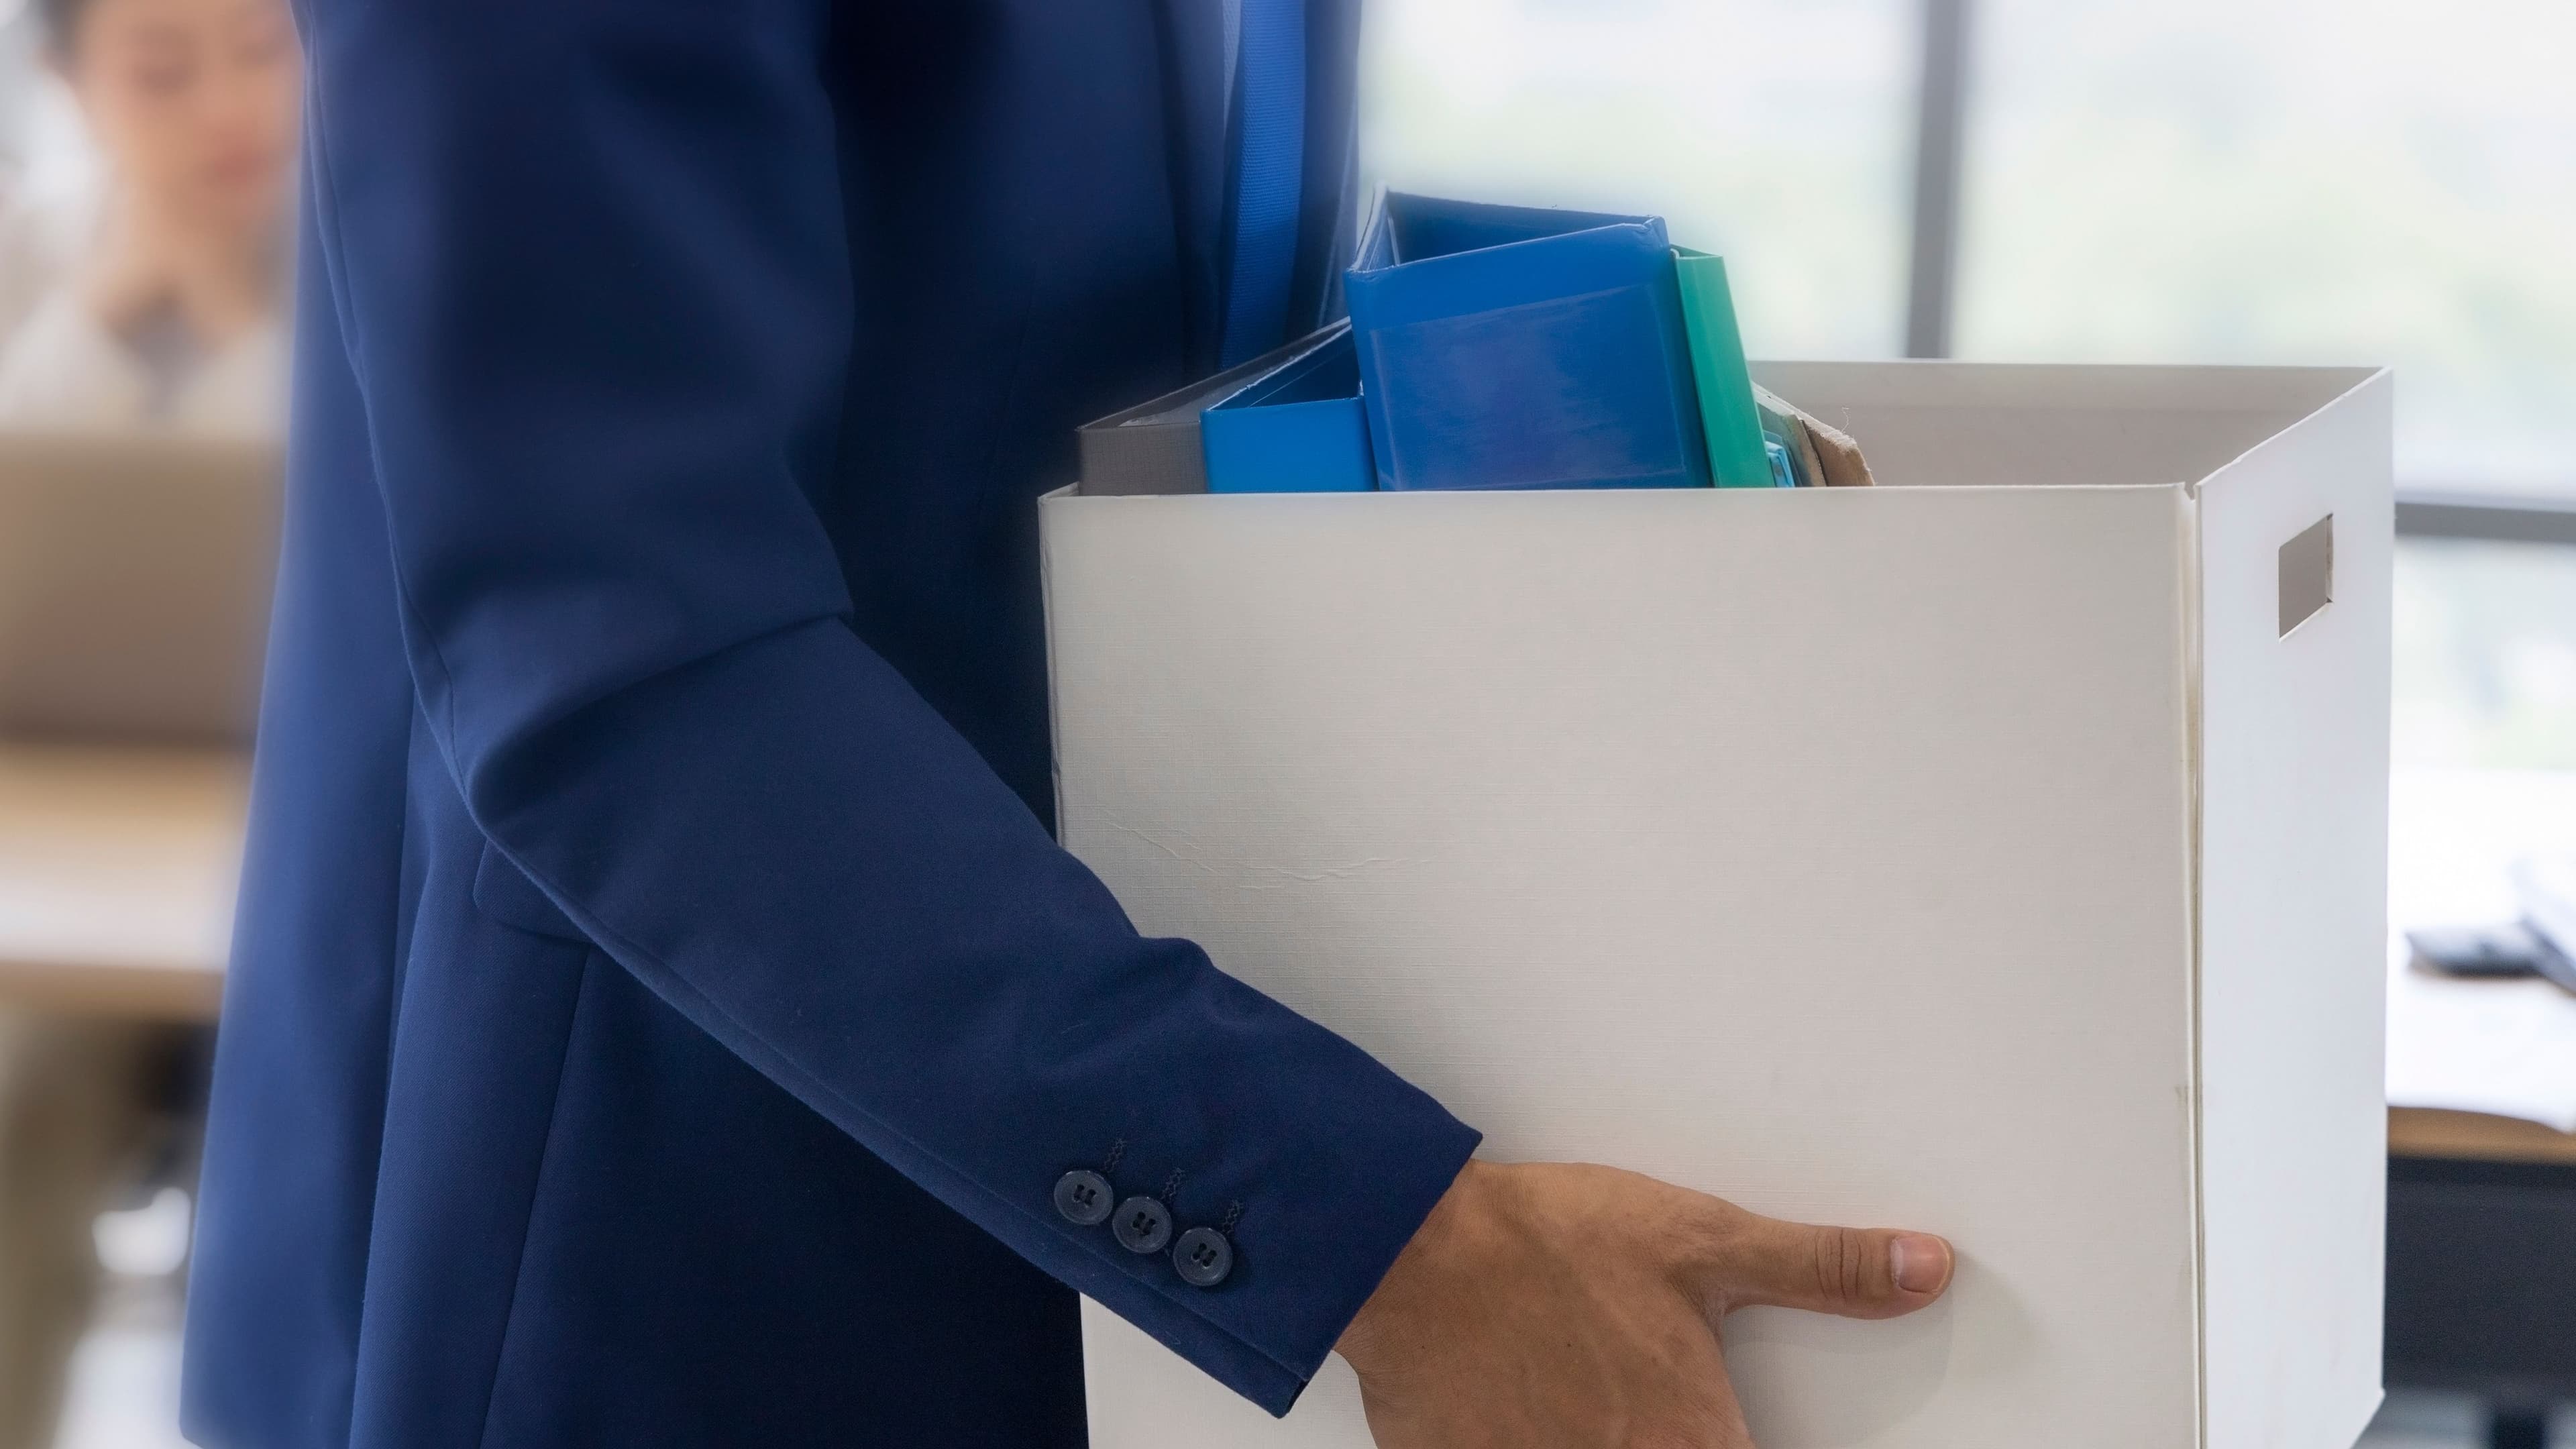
(194, 103)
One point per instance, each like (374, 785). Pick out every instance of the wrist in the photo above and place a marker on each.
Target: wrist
(1420, 1288)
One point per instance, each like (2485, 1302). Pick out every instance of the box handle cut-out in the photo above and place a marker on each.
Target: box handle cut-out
(2307, 574)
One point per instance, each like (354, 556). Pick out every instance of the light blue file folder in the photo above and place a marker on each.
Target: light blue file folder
(1299, 430)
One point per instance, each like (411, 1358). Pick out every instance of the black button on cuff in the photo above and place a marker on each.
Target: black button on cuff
(1143, 1225)
(1203, 1257)
(1083, 1198)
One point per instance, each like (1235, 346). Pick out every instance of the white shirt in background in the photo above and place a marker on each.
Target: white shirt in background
(61, 368)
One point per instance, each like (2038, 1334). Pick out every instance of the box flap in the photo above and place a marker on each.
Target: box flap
(1948, 424)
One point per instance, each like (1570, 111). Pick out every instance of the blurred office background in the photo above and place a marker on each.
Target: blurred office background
(2257, 181)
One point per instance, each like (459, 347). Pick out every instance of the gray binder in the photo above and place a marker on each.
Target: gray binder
(1153, 447)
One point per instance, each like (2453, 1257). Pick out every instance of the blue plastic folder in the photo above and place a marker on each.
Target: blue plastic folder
(1299, 430)
(1520, 347)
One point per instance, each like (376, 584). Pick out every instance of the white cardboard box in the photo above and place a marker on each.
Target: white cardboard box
(1973, 853)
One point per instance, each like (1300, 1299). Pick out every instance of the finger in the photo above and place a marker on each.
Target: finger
(1851, 1272)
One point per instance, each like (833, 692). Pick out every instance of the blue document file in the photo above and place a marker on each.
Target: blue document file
(1299, 430)
(1520, 347)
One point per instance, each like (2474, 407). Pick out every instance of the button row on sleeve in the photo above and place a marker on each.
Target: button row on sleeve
(1203, 1256)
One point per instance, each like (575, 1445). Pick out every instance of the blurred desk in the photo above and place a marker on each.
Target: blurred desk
(2481, 1174)
(117, 871)
(2475, 1137)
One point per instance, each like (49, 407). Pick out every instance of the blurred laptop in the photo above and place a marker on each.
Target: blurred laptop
(134, 586)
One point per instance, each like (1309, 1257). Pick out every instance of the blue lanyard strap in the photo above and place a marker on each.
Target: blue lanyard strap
(1270, 99)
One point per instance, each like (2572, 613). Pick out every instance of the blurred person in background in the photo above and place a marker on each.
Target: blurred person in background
(153, 301)
(148, 302)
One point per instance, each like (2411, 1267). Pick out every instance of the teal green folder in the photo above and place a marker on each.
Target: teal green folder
(1737, 457)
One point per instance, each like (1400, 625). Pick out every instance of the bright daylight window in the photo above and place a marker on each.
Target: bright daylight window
(2196, 180)
(1778, 132)
(2291, 181)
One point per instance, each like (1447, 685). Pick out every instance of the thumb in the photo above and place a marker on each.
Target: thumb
(1850, 1272)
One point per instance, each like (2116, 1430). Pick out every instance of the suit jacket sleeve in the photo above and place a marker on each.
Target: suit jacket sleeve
(590, 261)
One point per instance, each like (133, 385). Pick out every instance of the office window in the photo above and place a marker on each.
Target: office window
(2290, 181)
(1777, 132)
(2486, 655)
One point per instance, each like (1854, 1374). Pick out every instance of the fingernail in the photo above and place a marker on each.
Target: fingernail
(1921, 1262)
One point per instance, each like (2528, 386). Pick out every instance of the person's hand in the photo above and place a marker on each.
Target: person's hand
(1549, 1306)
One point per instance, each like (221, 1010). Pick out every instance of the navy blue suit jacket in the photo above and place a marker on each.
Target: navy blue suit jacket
(659, 1012)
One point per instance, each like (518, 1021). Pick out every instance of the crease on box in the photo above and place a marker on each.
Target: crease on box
(2188, 520)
